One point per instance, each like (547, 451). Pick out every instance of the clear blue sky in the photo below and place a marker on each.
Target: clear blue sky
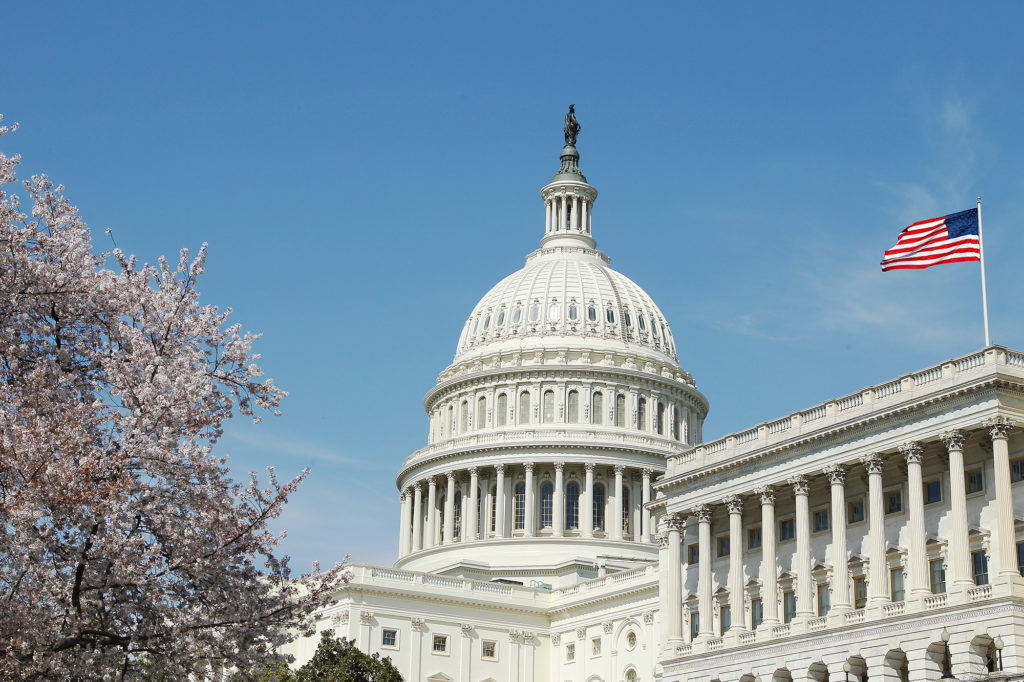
(364, 174)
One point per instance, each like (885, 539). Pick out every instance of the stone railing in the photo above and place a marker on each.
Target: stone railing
(615, 581)
(441, 583)
(909, 387)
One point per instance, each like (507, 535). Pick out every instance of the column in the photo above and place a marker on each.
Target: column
(958, 569)
(584, 215)
(430, 537)
(474, 487)
(802, 561)
(738, 616)
(449, 510)
(547, 216)
(1006, 546)
(404, 524)
(616, 520)
(878, 585)
(917, 560)
(673, 616)
(499, 501)
(840, 557)
(558, 502)
(529, 517)
(645, 513)
(587, 507)
(562, 214)
(769, 571)
(704, 561)
(417, 517)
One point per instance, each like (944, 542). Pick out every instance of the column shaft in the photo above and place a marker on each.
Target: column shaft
(499, 501)
(529, 526)
(645, 514)
(449, 510)
(1006, 546)
(769, 571)
(738, 619)
(403, 528)
(562, 215)
(840, 556)
(802, 561)
(917, 558)
(673, 619)
(430, 537)
(474, 487)
(417, 518)
(704, 561)
(558, 502)
(547, 216)
(587, 508)
(878, 586)
(616, 520)
(959, 558)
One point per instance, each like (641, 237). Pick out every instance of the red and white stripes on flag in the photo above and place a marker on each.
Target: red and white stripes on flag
(949, 239)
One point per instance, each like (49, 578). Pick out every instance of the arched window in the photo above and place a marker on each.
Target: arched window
(625, 511)
(659, 418)
(501, 410)
(524, 407)
(676, 424)
(572, 505)
(549, 407)
(631, 675)
(610, 315)
(598, 506)
(547, 492)
(481, 412)
(464, 417)
(641, 414)
(620, 410)
(519, 506)
(627, 318)
(458, 513)
(597, 408)
(573, 407)
(592, 313)
(494, 507)
(573, 312)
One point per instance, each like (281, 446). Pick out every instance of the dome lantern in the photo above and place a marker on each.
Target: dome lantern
(569, 198)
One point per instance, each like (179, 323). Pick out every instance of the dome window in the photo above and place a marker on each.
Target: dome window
(610, 316)
(640, 318)
(553, 311)
(487, 322)
(534, 312)
(654, 329)
(501, 319)
(573, 312)
(517, 315)
(476, 324)
(627, 318)
(592, 313)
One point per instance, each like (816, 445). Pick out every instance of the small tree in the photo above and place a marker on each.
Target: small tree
(125, 549)
(338, 660)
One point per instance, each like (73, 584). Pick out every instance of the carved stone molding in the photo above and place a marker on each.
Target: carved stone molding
(872, 463)
(801, 486)
(648, 617)
(366, 617)
(528, 467)
(618, 468)
(912, 452)
(836, 474)
(467, 629)
(767, 494)
(473, 471)
(662, 540)
(581, 633)
(607, 625)
(499, 468)
(674, 522)
(418, 624)
(703, 513)
(589, 466)
(953, 439)
(556, 639)
(450, 475)
(734, 503)
(559, 466)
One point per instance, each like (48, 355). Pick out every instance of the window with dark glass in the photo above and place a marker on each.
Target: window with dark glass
(979, 566)
(824, 602)
(573, 311)
(659, 418)
(756, 613)
(641, 414)
(860, 592)
(549, 407)
(1017, 470)
(937, 576)
(787, 529)
(440, 643)
(620, 410)
(894, 501)
(573, 407)
(855, 511)
(519, 506)
(501, 319)
(524, 407)
(723, 545)
(694, 625)
(501, 410)
(597, 408)
(754, 537)
(628, 320)
(820, 520)
(572, 505)
(788, 605)
(388, 637)
(975, 480)
(547, 493)
(598, 506)
(494, 507)
(1020, 558)
(693, 553)
(725, 618)
(610, 315)
(489, 649)
(517, 315)
(592, 313)
(458, 513)
(896, 584)
(932, 491)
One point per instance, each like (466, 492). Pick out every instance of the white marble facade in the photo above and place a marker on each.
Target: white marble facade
(566, 520)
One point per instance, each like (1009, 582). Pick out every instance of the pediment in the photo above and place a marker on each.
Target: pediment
(440, 677)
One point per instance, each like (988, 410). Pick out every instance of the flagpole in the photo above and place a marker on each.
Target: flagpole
(984, 292)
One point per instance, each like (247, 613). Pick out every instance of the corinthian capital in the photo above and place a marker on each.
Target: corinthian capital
(836, 474)
(873, 463)
(766, 493)
(954, 439)
(999, 427)
(912, 451)
(674, 522)
(703, 513)
(734, 503)
(800, 484)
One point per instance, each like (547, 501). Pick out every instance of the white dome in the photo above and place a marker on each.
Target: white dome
(567, 296)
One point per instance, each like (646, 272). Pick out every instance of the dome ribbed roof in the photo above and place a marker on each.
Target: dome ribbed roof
(567, 297)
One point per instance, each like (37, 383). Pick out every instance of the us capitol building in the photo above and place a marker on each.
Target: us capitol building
(566, 520)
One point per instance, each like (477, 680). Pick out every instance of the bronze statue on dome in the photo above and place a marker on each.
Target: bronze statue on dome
(572, 126)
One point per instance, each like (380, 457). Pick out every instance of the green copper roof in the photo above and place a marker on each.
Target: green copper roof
(570, 168)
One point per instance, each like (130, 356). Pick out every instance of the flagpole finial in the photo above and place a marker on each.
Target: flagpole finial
(979, 200)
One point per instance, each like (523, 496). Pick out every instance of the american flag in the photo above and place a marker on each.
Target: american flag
(949, 239)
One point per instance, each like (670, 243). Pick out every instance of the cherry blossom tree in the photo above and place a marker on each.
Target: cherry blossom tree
(126, 550)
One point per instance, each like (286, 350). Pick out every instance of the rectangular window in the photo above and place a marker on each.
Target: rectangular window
(787, 529)
(754, 537)
(975, 480)
(723, 545)
(694, 626)
(824, 602)
(896, 584)
(788, 606)
(855, 511)
(570, 652)
(388, 637)
(489, 649)
(1017, 470)
(860, 592)
(441, 643)
(595, 646)
(893, 501)
(937, 576)
(757, 613)
(725, 618)
(1020, 558)
(693, 554)
(820, 520)
(932, 491)
(979, 564)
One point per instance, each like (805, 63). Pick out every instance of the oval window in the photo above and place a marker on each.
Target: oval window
(553, 311)
(517, 315)
(610, 316)
(534, 312)
(631, 640)
(627, 318)
(487, 322)
(501, 319)
(592, 314)
(643, 323)
(572, 312)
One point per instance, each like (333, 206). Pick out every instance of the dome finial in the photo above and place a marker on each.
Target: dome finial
(570, 168)
(572, 126)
